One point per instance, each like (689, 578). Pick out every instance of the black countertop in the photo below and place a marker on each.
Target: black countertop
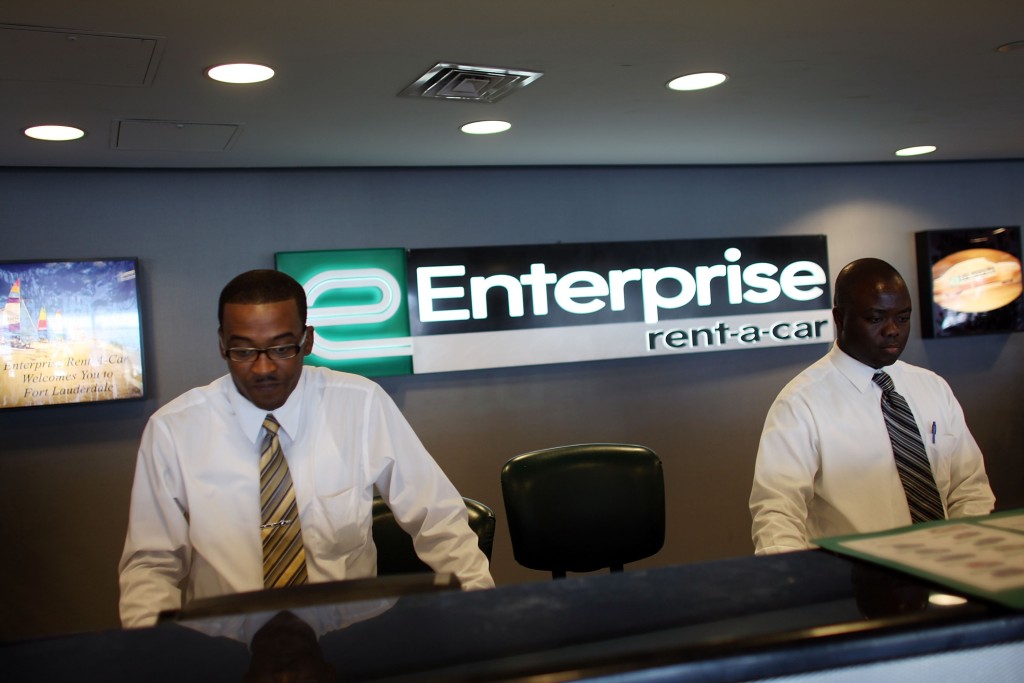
(717, 621)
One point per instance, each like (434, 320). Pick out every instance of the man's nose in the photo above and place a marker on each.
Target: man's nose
(263, 365)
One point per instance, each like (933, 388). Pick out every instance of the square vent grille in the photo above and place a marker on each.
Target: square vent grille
(473, 83)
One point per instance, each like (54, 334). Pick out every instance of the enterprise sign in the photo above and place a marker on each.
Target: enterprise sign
(396, 311)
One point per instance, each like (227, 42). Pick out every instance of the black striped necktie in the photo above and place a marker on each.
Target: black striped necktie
(284, 559)
(908, 450)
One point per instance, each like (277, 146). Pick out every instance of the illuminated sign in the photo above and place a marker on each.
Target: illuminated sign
(389, 311)
(358, 307)
(970, 281)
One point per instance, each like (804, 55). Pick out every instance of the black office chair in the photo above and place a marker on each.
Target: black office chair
(395, 551)
(584, 507)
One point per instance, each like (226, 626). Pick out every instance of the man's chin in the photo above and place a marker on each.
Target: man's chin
(888, 356)
(266, 398)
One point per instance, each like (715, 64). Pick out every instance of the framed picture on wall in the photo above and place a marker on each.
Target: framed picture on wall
(70, 332)
(970, 281)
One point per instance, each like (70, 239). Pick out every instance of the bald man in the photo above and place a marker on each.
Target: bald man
(825, 463)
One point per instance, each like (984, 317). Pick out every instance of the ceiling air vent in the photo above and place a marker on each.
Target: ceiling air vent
(474, 83)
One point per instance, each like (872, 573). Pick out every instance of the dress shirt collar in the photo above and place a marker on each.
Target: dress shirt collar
(852, 369)
(250, 418)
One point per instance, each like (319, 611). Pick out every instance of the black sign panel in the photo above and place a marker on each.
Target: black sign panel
(556, 285)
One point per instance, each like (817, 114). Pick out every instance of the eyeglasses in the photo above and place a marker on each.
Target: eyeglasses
(251, 355)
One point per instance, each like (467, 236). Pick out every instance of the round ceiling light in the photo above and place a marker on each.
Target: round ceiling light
(240, 73)
(708, 79)
(915, 151)
(54, 133)
(486, 127)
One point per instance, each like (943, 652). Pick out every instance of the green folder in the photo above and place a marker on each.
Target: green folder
(980, 556)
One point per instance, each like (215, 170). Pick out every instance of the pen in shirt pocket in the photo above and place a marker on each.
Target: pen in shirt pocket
(934, 429)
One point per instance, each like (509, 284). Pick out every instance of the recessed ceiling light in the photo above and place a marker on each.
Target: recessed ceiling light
(699, 81)
(54, 133)
(915, 151)
(240, 73)
(486, 127)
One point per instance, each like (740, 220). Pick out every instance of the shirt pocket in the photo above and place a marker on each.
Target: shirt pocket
(345, 526)
(341, 499)
(940, 455)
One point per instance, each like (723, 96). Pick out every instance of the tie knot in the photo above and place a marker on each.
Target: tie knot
(270, 423)
(882, 379)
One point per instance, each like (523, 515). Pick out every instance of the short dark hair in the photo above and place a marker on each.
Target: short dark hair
(262, 287)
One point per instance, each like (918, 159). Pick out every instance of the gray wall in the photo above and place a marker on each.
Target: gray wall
(65, 472)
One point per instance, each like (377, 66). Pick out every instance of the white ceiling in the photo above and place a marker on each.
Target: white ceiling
(812, 81)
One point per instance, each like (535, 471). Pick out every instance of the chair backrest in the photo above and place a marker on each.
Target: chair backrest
(395, 551)
(584, 507)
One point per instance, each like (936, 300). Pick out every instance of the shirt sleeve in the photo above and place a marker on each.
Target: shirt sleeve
(157, 551)
(425, 503)
(969, 491)
(784, 472)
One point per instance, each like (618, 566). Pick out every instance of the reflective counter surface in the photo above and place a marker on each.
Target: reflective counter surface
(731, 620)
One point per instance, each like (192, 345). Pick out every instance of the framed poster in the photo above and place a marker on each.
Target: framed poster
(970, 281)
(70, 332)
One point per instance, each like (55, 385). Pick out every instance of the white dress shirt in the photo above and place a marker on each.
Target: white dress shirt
(193, 529)
(825, 465)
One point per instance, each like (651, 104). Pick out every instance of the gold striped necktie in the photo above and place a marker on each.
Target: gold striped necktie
(908, 450)
(284, 559)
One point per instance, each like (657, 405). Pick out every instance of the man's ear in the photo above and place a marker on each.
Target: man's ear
(220, 345)
(837, 318)
(307, 348)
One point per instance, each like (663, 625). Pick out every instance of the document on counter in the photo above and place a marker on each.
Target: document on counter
(981, 556)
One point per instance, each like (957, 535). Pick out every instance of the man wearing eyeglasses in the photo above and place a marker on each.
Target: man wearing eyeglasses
(198, 526)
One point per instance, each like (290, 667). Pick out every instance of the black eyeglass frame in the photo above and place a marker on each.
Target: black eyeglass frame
(274, 353)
